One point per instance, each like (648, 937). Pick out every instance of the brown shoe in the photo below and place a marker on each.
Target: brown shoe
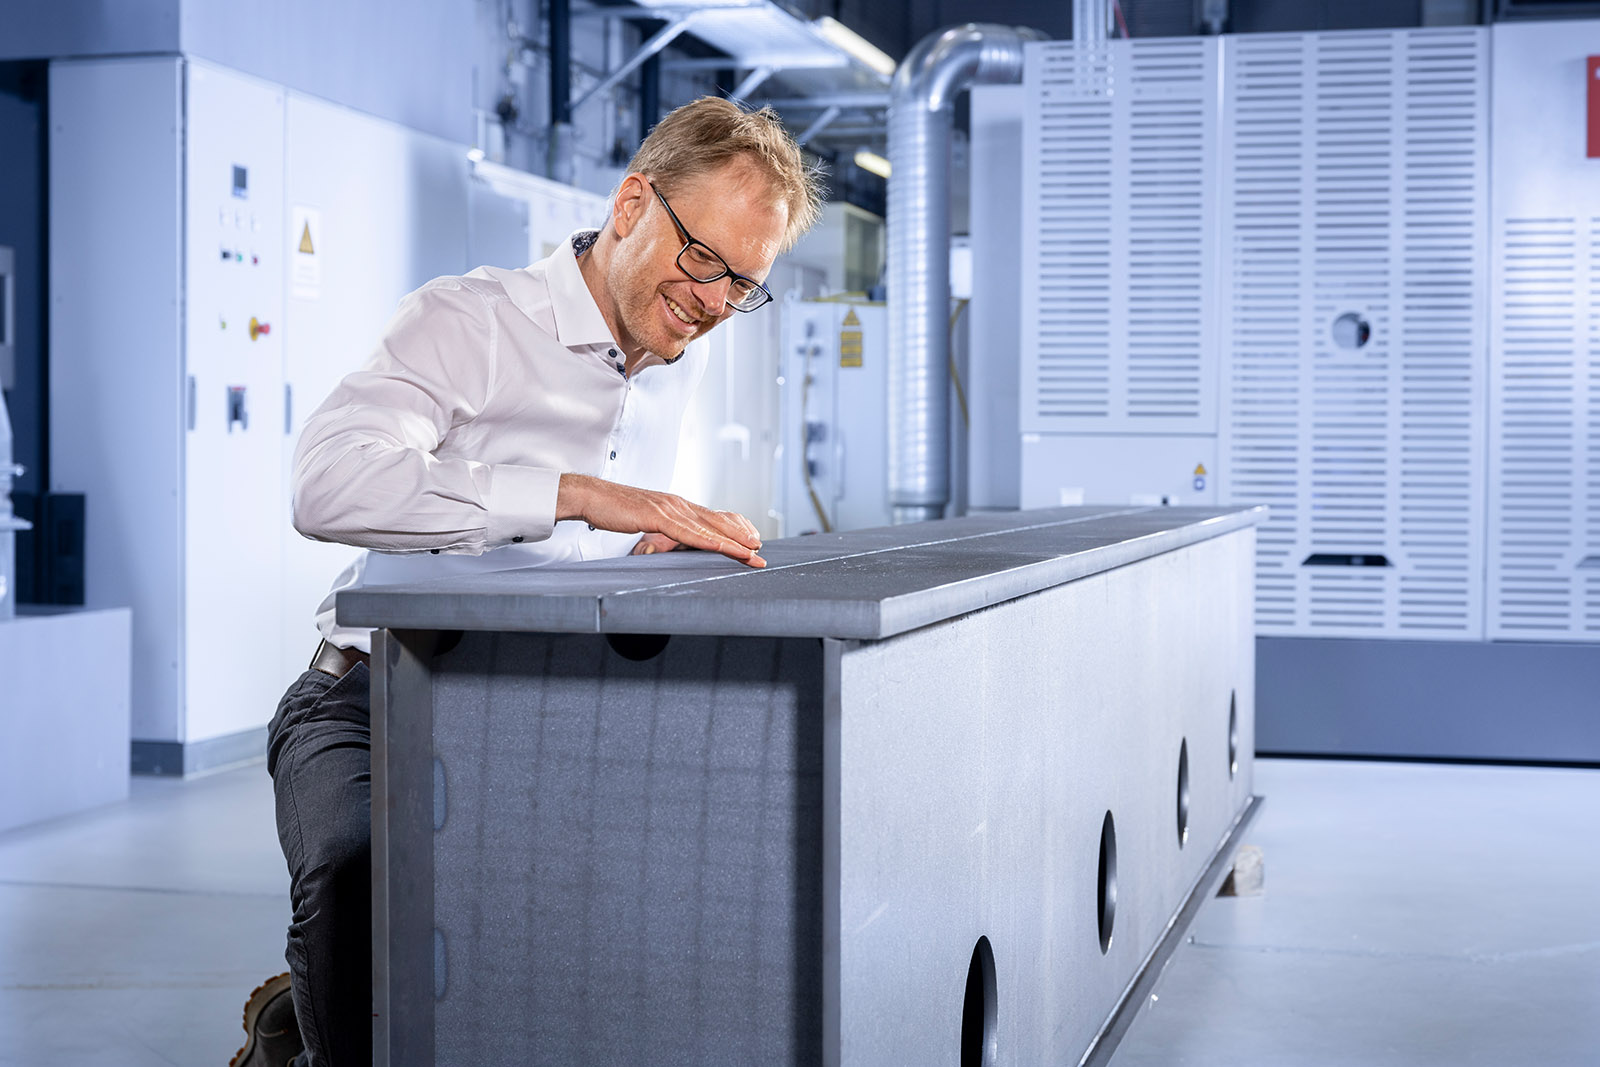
(272, 1036)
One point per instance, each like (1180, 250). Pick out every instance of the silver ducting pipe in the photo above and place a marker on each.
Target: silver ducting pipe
(920, 111)
(1090, 22)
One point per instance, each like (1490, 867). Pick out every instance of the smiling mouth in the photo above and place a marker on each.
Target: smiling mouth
(678, 312)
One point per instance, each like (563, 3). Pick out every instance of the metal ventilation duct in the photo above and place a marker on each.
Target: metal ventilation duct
(920, 111)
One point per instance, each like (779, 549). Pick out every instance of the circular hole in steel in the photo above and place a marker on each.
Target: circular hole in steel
(1351, 331)
(1106, 895)
(1233, 734)
(1183, 792)
(638, 647)
(980, 1039)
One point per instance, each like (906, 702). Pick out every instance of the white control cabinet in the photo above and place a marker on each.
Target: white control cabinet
(833, 454)
(1544, 372)
(166, 367)
(223, 251)
(833, 449)
(234, 258)
(1354, 267)
(1119, 286)
(1259, 274)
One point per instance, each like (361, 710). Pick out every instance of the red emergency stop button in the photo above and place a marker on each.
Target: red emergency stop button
(257, 328)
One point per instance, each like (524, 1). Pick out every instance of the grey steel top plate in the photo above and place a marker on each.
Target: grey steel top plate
(867, 584)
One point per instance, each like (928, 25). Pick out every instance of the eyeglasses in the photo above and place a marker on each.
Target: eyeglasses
(703, 265)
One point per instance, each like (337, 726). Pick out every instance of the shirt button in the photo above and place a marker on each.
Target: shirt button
(517, 540)
(613, 455)
(435, 551)
(612, 352)
(591, 527)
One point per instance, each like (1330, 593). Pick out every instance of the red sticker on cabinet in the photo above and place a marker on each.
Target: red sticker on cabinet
(1594, 107)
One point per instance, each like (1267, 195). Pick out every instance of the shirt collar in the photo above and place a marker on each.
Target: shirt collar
(577, 316)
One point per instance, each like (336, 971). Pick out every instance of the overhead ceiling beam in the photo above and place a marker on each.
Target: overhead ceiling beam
(663, 37)
(750, 83)
(818, 126)
(823, 101)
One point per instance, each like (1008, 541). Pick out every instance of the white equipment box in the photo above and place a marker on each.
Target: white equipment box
(1273, 257)
(1544, 354)
(832, 457)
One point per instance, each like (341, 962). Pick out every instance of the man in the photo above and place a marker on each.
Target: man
(508, 419)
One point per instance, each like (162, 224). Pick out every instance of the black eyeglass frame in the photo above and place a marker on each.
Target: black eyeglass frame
(726, 272)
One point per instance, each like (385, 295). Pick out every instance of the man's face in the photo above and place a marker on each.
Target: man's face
(732, 211)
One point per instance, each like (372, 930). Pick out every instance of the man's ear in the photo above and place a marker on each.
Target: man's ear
(633, 197)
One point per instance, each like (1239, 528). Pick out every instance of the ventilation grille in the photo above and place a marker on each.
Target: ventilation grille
(1353, 191)
(1118, 276)
(1546, 447)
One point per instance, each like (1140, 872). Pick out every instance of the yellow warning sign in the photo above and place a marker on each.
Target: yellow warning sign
(1200, 470)
(305, 259)
(850, 341)
(850, 348)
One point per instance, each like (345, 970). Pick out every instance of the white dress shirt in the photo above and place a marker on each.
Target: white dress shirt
(443, 454)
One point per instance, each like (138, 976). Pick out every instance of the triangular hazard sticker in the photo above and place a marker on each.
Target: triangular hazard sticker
(305, 241)
(851, 319)
(1200, 470)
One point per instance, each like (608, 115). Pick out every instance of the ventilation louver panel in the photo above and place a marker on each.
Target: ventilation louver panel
(1353, 231)
(1543, 529)
(1118, 274)
(1546, 441)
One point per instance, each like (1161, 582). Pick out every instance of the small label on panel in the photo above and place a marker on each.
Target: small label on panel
(1070, 496)
(1594, 107)
(305, 256)
(850, 341)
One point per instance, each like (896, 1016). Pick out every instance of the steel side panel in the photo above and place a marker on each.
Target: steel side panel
(628, 855)
(402, 849)
(977, 759)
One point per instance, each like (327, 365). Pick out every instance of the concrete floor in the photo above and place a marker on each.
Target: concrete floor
(1413, 915)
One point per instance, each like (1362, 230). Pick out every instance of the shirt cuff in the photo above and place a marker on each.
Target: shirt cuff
(522, 504)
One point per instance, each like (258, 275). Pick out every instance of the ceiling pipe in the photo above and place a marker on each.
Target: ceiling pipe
(559, 152)
(921, 106)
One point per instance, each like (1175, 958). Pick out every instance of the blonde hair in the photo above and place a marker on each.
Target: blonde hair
(703, 135)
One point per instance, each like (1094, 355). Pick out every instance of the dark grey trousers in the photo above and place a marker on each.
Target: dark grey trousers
(320, 758)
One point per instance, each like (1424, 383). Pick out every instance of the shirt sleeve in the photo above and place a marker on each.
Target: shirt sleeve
(365, 469)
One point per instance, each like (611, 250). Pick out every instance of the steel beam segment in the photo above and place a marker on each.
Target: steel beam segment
(666, 12)
(402, 848)
(750, 82)
(823, 121)
(663, 37)
(827, 100)
(778, 62)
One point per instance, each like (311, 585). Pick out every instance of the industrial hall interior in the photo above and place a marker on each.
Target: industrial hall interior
(648, 533)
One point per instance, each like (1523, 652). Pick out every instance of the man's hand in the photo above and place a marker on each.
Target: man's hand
(626, 509)
(652, 543)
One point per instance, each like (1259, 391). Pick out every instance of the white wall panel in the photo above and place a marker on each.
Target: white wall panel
(390, 206)
(1544, 490)
(1354, 184)
(116, 346)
